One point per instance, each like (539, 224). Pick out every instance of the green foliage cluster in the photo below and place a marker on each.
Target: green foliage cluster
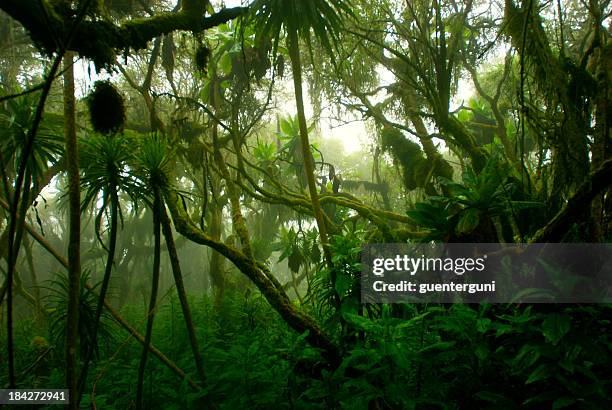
(484, 357)
(16, 115)
(469, 211)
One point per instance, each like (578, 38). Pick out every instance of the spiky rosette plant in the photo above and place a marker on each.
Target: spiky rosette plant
(152, 166)
(106, 108)
(104, 162)
(155, 162)
(91, 331)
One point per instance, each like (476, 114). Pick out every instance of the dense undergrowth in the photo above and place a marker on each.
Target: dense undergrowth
(401, 356)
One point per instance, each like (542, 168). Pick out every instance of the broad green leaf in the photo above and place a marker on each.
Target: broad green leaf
(437, 346)
(483, 324)
(361, 322)
(225, 64)
(555, 326)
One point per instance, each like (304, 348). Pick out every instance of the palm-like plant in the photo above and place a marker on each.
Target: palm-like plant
(91, 326)
(104, 163)
(300, 18)
(154, 168)
(25, 158)
(16, 116)
(471, 204)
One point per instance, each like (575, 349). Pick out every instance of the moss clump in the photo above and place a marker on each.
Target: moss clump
(106, 108)
(201, 57)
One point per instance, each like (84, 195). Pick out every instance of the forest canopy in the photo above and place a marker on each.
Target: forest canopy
(186, 187)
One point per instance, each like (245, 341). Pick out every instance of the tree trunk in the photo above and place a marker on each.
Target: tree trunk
(600, 149)
(576, 206)
(217, 261)
(112, 244)
(152, 300)
(74, 268)
(296, 67)
(15, 235)
(14, 226)
(34, 281)
(570, 161)
(180, 288)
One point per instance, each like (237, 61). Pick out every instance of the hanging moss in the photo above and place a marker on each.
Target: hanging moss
(279, 65)
(201, 57)
(407, 153)
(416, 167)
(106, 108)
(168, 55)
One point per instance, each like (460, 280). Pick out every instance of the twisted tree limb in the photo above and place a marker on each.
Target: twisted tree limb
(260, 275)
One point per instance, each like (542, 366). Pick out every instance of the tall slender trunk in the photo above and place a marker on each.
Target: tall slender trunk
(112, 244)
(296, 67)
(34, 281)
(14, 226)
(180, 289)
(11, 274)
(379, 180)
(600, 150)
(74, 199)
(217, 261)
(152, 300)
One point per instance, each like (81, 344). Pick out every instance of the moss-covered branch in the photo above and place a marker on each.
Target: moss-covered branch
(302, 204)
(260, 276)
(101, 40)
